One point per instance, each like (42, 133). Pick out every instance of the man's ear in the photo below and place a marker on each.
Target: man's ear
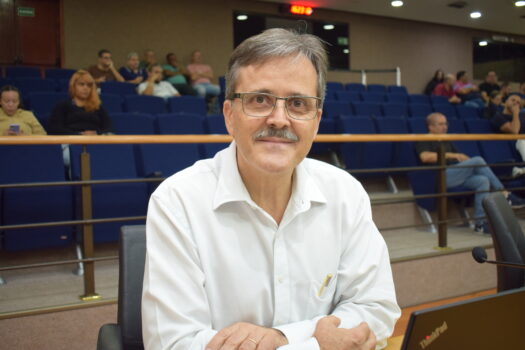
(227, 111)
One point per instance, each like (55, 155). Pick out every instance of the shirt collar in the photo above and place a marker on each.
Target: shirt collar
(231, 188)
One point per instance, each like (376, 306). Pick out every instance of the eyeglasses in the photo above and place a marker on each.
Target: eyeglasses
(260, 105)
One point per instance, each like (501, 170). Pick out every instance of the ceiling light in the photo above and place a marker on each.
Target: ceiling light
(328, 27)
(397, 3)
(475, 14)
(242, 17)
(519, 3)
(483, 43)
(346, 51)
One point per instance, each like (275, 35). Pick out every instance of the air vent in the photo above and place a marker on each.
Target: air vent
(458, 4)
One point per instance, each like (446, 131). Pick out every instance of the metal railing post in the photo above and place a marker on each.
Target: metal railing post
(442, 201)
(87, 229)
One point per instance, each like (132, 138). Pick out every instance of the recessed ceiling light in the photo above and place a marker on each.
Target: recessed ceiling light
(475, 14)
(346, 51)
(242, 17)
(328, 27)
(519, 3)
(397, 3)
(483, 43)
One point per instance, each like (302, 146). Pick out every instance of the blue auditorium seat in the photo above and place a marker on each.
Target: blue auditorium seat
(42, 103)
(144, 104)
(334, 86)
(396, 110)
(15, 72)
(402, 152)
(418, 125)
(447, 109)
(470, 148)
(356, 87)
(333, 109)
(118, 88)
(111, 103)
(329, 96)
(214, 125)
(466, 112)
(394, 89)
(438, 100)
(419, 110)
(29, 85)
(418, 99)
(188, 104)
(34, 163)
(62, 85)
(326, 126)
(59, 73)
(133, 124)
(110, 162)
(368, 109)
(347, 96)
(376, 88)
(397, 98)
(373, 97)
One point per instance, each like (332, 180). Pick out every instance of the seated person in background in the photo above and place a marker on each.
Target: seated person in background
(477, 179)
(83, 114)
(13, 119)
(467, 91)
(260, 247)
(446, 89)
(489, 85)
(505, 90)
(494, 106)
(104, 70)
(522, 95)
(175, 74)
(438, 78)
(201, 75)
(149, 59)
(131, 72)
(154, 86)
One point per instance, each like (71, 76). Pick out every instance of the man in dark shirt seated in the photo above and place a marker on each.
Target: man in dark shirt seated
(131, 72)
(104, 70)
(479, 179)
(489, 85)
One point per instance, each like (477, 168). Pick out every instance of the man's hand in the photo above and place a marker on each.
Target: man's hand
(461, 157)
(515, 109)
(330, 337)
(247, 336)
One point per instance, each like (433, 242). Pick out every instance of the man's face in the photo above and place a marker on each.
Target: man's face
(105, 59)
(464, 78)
(197, 57)
(157, 73)
(282, 76)
(149, 57)
(450, 81)
(439, 125)
(172, 60)
(133, 62)
(512, 101)
(492, 78)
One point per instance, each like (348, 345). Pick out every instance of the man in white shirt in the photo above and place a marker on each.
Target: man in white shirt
(154, 86)
(260, 248)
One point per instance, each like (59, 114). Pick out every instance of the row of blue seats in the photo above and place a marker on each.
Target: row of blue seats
(357, 87)
(14, 72)
(332, 109)
(350, 96)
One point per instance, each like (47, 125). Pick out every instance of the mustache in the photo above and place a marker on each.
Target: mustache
(286, 134)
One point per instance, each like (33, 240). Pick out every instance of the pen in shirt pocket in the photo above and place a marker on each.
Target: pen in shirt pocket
(325, 283)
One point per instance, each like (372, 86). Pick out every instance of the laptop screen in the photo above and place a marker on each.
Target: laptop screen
(486, 323)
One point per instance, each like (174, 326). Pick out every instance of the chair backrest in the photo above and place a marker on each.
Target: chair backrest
(508, 239)
(132, 259)
(144, 104)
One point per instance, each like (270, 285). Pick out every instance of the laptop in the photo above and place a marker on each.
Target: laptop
(486, 323)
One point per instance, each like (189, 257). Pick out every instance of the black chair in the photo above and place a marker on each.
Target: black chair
(508, 238)
(127, 333)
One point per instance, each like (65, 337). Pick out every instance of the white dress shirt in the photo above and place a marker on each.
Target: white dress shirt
(160, 89)
(214, 258)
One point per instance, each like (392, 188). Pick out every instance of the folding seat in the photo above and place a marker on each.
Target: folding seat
(111, 103)
(333, 109)
(110, 162)
(419, 110)
(347, 96)
(59, 73)
(133, 124)
(330, 96)
(394, 89)
(368, 109)
(470, 148)
(167, 159)
(326, 126)
(397, 98)
(395, 110)
(466, 112)
(5, 81)
(34, 163)
(214, 125)
(43, 103)
(188, 104)
(356, 87)
(62, 85)
(144, 104)
(334, 86)
(376, 88)
(372, 97)
(438, 100)
(446, 109)
(417, 126)
(402, 152)
(22, 72)
(418, 99)
(29, 85)
(118, 88)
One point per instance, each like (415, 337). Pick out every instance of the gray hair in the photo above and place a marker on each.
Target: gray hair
(132, 54)
(278, 42)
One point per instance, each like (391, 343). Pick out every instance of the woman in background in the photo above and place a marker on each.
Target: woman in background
(14, 120)
(83, 113)
(438, 78)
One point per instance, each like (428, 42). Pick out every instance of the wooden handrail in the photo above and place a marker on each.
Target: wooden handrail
(127, 139)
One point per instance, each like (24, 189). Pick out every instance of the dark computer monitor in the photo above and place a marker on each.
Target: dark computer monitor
(485, 323)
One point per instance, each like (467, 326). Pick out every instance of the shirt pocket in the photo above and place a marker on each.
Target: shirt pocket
(321, 300)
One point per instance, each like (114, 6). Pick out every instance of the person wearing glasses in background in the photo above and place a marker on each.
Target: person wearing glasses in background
(105, 70)
(259, 247)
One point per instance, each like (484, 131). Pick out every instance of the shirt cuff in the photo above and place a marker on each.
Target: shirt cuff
(310, 344)
(299, 332)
